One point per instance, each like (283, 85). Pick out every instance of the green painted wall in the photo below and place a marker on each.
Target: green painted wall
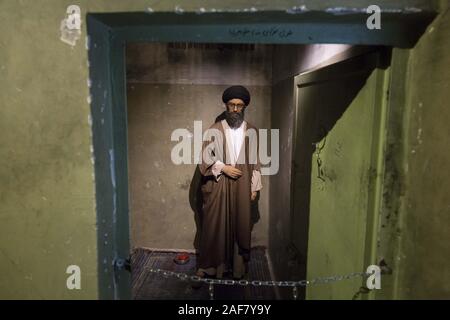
(47, 195)
(46, 192)
(414, 236)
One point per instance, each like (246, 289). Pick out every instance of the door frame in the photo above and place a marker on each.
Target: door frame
(108, 34)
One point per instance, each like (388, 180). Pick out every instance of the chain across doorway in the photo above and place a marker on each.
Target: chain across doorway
(243, 282)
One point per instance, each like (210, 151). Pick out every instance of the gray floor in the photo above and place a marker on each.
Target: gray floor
(149, 286)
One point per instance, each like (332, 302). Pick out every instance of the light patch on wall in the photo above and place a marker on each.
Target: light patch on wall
(318, 53)
(412, 10)
(179, 10)
(200, 10)
(344, 10)
(111, 167)
(297, 9)
(419, 130)
(347, 10)
(70, 26)
(88, 43)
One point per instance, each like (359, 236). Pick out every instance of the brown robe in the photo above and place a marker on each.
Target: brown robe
(226, 214)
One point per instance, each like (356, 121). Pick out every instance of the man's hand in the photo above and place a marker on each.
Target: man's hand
(231, 171)
(254, 194)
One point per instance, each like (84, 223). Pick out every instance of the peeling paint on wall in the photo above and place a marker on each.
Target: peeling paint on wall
(111, 164)
(349, 10)
(200, 10)
(88, 43)
(179, 10)
(297, 9)
(69, 36)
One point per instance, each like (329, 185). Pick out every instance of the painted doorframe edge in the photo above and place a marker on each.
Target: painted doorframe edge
(105, 154)
(108, 34)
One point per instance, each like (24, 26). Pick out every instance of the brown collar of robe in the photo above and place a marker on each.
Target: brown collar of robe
(226, 212)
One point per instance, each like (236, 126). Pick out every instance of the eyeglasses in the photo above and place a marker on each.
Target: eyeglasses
(239, 106)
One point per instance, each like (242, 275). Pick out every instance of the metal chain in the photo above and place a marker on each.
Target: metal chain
(302, 283)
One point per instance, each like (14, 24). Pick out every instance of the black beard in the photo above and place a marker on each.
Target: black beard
(234, 119)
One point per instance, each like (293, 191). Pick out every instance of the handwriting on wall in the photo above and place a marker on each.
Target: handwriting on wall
(257, 32)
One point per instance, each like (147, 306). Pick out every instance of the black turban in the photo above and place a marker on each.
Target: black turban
(236, 92)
